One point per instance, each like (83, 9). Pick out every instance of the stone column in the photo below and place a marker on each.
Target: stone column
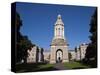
(65, 54)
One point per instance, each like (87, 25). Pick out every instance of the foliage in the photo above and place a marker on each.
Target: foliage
(42, 57)
(69, 56)
(22, 42)
(91, 52)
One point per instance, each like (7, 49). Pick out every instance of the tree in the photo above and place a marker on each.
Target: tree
(42, 56)
(69, 56)
(18, 24)
(91, 52)
(22, 42)
(18, 21)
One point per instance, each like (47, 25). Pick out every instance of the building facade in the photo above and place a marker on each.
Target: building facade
(46, 57)
(77, 51)
(35, 55)
(59, 47)
(80, 51)
(73, 55)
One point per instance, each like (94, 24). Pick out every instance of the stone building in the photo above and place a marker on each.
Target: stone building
(73, 54)
(35, 55)
(59, 47)
(46, 57)
(80, 51)
(77, 51)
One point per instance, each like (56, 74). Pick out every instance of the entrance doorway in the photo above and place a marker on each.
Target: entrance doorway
(59, 56)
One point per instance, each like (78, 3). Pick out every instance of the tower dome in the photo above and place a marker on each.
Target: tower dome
(59, 20)
(59, 16)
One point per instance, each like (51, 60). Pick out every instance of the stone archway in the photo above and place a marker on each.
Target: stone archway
(59, 56)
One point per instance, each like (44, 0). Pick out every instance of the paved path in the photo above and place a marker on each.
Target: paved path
(60, 66)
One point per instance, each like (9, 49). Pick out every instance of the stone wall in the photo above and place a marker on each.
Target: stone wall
(80, 51)
(35, 55)
(73, 54)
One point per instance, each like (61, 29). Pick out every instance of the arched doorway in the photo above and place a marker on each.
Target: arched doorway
(59, 56)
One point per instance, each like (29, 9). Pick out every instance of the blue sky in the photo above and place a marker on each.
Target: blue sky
(39, 19)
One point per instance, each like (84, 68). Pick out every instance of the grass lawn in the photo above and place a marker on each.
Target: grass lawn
(48, 67)
(75, 65)
(34, 67)
(69, 65)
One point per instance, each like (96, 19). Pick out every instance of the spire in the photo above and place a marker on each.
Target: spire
(59, 28)
(59, 20)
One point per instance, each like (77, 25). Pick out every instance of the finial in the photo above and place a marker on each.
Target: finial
(59, 16)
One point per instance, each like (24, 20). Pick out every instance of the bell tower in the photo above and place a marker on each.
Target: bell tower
(59, 47)
(59, 28)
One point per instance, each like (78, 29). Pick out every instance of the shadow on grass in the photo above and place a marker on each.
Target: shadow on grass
(27, 67)
(32, 68)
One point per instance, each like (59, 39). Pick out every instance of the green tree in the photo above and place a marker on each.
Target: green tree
(22, 42)
(69, 56)
(91, 52)
(42, 56)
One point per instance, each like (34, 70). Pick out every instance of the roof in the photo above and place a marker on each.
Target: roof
(59, 20)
